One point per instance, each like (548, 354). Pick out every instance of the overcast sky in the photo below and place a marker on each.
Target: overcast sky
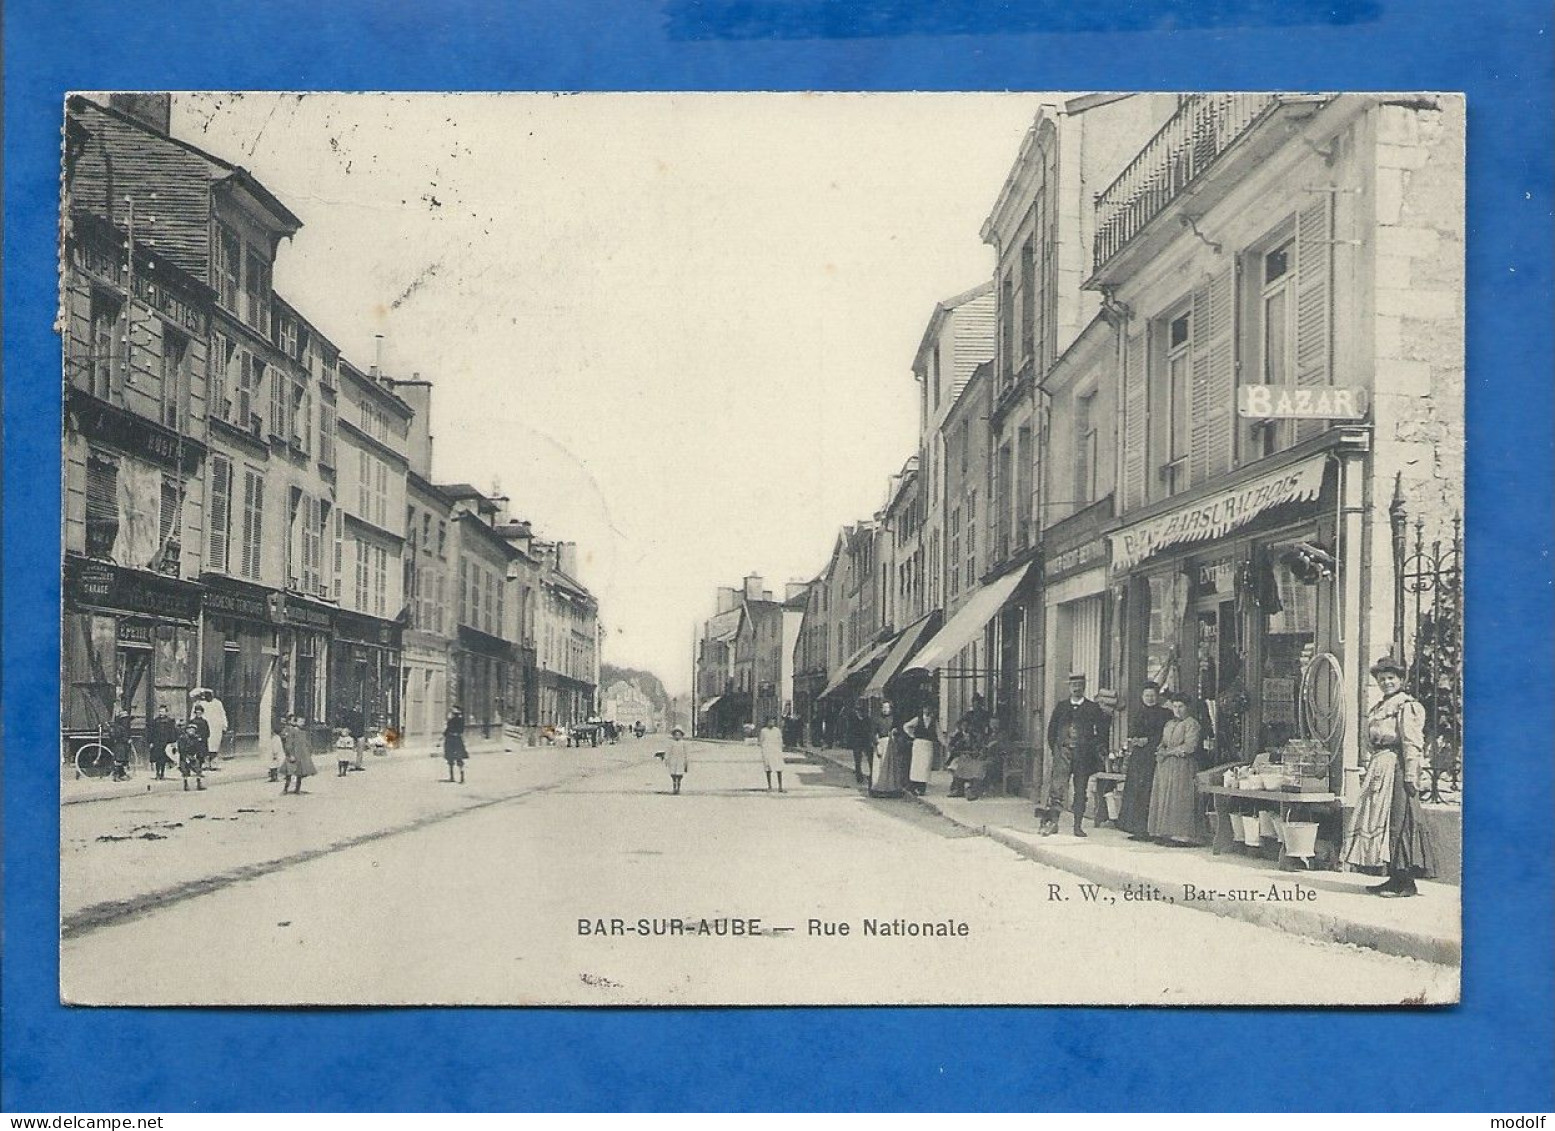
(677, 329)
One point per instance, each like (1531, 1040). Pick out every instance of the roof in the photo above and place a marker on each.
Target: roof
(376, 387)
(943, 308)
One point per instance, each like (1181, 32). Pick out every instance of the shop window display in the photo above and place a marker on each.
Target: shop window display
(1290, 643)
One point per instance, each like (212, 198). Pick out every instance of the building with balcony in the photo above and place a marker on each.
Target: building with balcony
(1285, 278)
(1041, 231)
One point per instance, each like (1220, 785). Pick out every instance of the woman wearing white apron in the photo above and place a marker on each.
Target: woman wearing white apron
(924, 736)
(888, 776)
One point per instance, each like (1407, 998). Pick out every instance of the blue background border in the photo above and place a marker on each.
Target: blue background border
(1492, 1053)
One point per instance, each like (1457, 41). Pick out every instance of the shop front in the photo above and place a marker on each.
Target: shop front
(364, 664)
(486, 680)
(128, 645)
(1079, 607)
(1233, 599)
(239, 659)
(305, 631)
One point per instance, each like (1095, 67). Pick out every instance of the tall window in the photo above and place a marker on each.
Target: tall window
(103, 344)
(1179, 350)
(256, 286)
(1026, 297)
(971, 539)
(1006, 331)
(1025, 457)
(228, 267)
(218, 380)
(218, 512)
(251, 377)
(380, 581)
(326, 434)
(340, 552)
(253, 523)
(1085, 473)
(175, 377)
(169, 526)
(102, 505)
(302, 416)
(364, 484)
(381, 493)
(280, 406)
(363, 601)
(1277, 336)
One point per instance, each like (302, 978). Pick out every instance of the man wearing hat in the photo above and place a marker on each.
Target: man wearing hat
(1076, 748)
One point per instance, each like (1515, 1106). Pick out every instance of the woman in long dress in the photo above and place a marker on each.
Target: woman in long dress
(1146, 725)
(888, 776)
(1388, 829)
(1172, 816)
(771, 742)
(454, 750)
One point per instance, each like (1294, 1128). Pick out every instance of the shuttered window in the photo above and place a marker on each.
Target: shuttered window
(326, 434)
(219, 512)
(219, 378)
(1214, 377)
(253, 523)
(1136, 416)
(103, 344)
(102, 505)
(1314, 302)
(169, 523)
(229, 266)
(175, 377)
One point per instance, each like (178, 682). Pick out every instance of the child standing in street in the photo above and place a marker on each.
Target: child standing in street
(345, 751)
(192, 753)
(675, 760)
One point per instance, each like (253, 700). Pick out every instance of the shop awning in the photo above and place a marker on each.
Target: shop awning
(709, 705)
(861, 663)
(906, 644)
(970, 619)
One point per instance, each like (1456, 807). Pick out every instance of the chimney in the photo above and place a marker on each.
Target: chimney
(728, 598)
(418, 394)
(152, 109)
(567, 558)
(377, 356)
(753, 587)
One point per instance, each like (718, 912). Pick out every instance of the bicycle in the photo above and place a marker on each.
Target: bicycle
(96, 759)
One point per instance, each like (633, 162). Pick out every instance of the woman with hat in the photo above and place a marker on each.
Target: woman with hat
(1388, 829)
(1172, 816)
(675, 758)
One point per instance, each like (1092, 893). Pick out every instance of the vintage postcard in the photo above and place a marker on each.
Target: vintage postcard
(761, 549)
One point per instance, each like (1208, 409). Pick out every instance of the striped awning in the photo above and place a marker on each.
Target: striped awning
(861, 663)
(906, 644)
(970, 619)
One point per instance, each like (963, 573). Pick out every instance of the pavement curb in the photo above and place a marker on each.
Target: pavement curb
(1292, 920)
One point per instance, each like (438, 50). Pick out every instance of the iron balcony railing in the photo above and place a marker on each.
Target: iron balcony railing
(1204, 126)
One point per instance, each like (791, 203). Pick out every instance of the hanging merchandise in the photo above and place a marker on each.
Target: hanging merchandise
(1309, 562)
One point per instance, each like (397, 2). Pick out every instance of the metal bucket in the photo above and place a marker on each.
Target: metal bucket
(1236, 826)
(1114, 803)
(1301, 839)
(1266, 829)
(1250, 834)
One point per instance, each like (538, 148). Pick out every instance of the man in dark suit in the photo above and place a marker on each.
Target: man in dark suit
(1077, 732)
(860, 732)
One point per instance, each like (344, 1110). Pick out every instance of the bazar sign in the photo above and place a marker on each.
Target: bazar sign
(1217, 514)
(1282, 402)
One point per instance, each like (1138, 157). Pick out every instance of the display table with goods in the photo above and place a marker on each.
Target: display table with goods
(1281, 799)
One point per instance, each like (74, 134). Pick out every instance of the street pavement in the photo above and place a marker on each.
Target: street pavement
(389, 887)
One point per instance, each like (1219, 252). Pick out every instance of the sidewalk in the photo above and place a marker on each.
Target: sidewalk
(73, 790)
(1428, 927)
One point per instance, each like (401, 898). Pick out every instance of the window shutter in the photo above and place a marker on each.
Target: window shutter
(1136, 421)
(1314, 300)
(1214, 378)
(220, 508)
